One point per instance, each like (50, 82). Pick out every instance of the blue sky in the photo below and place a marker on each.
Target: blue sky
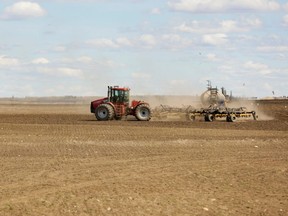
(78, 47)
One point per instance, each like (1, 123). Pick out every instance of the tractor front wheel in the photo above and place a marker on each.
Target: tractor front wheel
(104, 112)
(143, 112)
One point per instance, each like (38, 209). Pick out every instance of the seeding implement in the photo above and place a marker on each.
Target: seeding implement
(217, 107)
(116, 105)
(215, 102)
(230, 114)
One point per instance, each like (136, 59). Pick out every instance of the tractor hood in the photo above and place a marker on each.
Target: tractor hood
(96, 103)
(101, 100)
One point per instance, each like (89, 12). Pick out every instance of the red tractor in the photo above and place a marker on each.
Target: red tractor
(116, 105)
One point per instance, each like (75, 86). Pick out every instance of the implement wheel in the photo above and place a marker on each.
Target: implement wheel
(191, 117)
(231, 118)
(104, 112)
(209, 117)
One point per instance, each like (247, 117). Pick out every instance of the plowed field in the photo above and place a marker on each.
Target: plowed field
(58, 160)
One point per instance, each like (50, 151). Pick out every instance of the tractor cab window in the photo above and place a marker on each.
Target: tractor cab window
(120, 96)
(126, 97)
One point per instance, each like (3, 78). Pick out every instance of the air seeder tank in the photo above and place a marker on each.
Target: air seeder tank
(212, 97)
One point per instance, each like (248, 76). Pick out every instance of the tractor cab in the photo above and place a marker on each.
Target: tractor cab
(118, 95)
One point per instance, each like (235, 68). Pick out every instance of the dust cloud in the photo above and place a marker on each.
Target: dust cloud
(251, 105)
(170, 100)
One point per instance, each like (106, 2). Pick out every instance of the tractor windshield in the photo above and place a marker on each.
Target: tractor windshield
(120, 96)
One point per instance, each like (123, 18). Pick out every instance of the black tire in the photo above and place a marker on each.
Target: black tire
(231, 118)
(228, 118)
(104, 112)
(209, 118)
(143, 112)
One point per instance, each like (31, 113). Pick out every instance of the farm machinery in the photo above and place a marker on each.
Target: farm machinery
(217, 107)
(116, 105)
(213, 112)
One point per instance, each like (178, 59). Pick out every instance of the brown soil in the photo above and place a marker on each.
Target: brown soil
(58, 160)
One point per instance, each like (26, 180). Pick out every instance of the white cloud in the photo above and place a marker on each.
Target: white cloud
(196, 5)
(212, 57)
(110, 43)
(6, 61)
(230, 26)
(123, 41)
(171, 41)
(215, 39)
(85, 59)
(185, 28)
(40, 61)
(175, 41)
(62, 71)
(201, 6)
(103, 43)
(261, 5)
(23, 10)
(273, 48)
(253, 23)
(285, 19)
(148, 40)
(258, 67)
(172, 37)
(60, 49)
(224, 26)
(70, 72)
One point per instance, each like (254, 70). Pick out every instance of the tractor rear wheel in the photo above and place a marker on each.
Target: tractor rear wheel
(104, 112)
(143, 112)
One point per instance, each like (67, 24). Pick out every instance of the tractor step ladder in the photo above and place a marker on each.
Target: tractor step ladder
(118, 110)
